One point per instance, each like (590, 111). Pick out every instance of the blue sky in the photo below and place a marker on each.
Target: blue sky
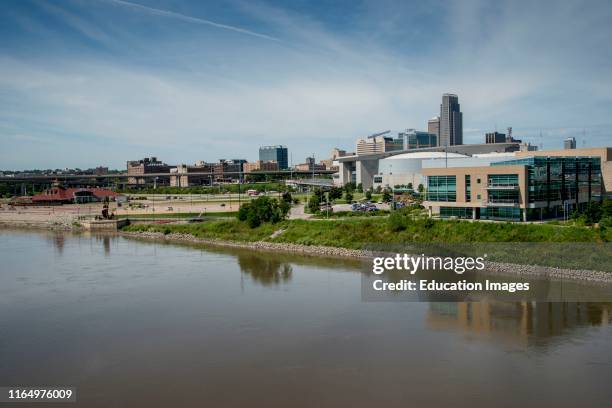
(99, 82)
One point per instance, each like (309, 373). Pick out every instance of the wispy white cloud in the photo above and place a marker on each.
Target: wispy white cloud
(193, 97)
(188, 19)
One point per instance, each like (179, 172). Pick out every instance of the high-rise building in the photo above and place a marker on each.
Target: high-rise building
(433, 126)
(569, 143)
(451, 121)
(378, 144)
(279, 154)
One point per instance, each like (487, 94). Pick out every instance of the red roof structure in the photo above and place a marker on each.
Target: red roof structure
(61, 195)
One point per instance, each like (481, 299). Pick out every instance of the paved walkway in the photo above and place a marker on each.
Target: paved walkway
(297, 213)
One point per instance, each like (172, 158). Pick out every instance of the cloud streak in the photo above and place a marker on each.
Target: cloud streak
(188, 19)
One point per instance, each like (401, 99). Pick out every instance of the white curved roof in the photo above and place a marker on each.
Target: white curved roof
(425, 155)
(494, 154)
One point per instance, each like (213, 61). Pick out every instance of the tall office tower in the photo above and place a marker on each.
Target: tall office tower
(451, 121)
(433, 127)
(278, 154)
(569, 143)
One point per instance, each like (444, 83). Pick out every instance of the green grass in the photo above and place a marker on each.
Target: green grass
(383, 234)
(357, 233)
(185, 215)
(232, 230)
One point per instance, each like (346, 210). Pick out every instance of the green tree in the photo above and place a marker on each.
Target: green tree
(360, 188)
(348, 196)
(335, 193)
(263, 209)
(349, 187)
(368, 194)
(410, 186)
(314, 204)
(420, 188)
(386, 195)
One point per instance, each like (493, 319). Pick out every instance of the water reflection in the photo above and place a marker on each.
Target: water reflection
(264, 269)
(525, 323)
(58, 239)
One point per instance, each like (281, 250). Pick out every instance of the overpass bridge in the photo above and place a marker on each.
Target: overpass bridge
(120, 176)
(321, 183)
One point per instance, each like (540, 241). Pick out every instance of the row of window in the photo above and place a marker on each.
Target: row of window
(442, 188)
(503, 180)
(488, 213)
(459, 212)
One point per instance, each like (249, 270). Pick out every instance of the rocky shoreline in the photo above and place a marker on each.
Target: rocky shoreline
(498, 268)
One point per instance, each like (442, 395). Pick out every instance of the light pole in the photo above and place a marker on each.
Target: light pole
(239, 183)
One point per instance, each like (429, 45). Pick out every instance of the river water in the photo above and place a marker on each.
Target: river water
(146, 324)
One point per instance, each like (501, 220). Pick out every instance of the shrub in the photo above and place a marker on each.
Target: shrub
(397, 221)
(368, 194)
(606, 222)
(428, 223)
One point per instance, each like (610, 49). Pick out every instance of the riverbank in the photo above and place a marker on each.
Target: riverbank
(500, 268)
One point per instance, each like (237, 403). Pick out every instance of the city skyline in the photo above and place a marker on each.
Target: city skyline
(186, 81)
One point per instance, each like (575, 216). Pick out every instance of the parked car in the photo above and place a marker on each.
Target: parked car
(325, 207)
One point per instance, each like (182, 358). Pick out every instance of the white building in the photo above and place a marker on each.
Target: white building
(405, 168)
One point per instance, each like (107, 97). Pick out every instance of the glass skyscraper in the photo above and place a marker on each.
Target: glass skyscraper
(451, 121)
(279, 154)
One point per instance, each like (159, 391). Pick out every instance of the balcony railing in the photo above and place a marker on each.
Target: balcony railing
(503, 202)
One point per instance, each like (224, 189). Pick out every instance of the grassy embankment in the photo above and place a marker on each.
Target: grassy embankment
(216, 214)
(357, 233)
(540, 244)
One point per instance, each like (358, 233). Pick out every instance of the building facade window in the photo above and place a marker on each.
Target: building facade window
(506, 214)
(468, 188)
(458, 212)
(559, 179)
(503, 180)
(442, 188)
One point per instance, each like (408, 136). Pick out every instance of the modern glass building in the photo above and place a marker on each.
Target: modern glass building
(558, 184)
(529, 188)
(415, 139)
(279, 154)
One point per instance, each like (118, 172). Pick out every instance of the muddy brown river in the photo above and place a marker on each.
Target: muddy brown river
(130, 323)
